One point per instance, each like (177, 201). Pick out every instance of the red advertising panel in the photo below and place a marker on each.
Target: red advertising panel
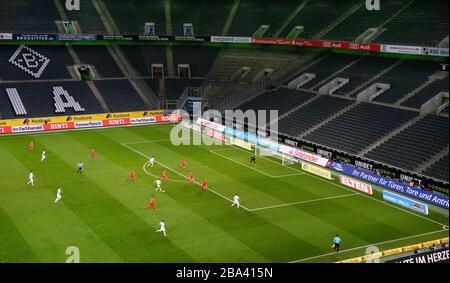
(5, 130)
(117, 122)
(59, 126)
(355, 184)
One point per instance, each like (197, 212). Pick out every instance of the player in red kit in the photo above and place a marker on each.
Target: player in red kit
(204, 186)
(31, 146)
(131, 175)
(152, 203)
(164, 176)
(191, 178)
(93, 154)
(183, 164)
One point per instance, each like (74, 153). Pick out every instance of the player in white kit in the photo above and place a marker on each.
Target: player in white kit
(236, 200)
(151, 161)
(43, 156)
(158, 186)
(31, 178)
(162, 227)
(58, 194)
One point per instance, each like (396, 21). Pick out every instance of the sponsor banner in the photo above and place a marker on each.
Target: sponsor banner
(435, 256)
(76, 37)
(35, 37)
(231, 39)
(116, 122)
(390, 184)
(5, 130)
(278, 41)
(241, 143)
(31, 128)
(144, 120)
(76, 118)
(6, 36)
(370, 47)
(197, 38)
(59, 126)
(194, 127)
(211, 125)
(434, 51)
(401, 49)
(316, 170)
(303, 155)
(155, 38)
(88, 124)
(405, 202)
(355, 184)
(168, 118)
(215, 135)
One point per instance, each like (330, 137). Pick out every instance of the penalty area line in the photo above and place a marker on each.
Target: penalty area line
(176, 172)
(366, 246)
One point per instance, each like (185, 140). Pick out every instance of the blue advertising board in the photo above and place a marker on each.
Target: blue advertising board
(405, 202)
(390, 184)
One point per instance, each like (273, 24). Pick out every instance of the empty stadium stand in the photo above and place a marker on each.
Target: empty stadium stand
(282, 99)
(316, 15)
(426, 23)
(131, 16)
(439, 170)
(415, 144)
(87, 18)
(311, 114)
(100, 58)
(34, 62)
(254, 13)
(359, 127)
(24, 16)
(404, 78)
(207, 17)
(199, 58)
(175, 87)
(363, 19)
(38, 98)
(427, 93)
(142, 57)
(328, 66)
(120, 95)
(361, 71)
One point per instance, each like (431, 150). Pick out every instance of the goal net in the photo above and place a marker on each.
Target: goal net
(270, 153)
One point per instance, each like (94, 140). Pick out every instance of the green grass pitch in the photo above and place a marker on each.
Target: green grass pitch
(287, 215)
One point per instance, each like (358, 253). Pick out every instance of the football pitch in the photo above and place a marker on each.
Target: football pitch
(286, 214)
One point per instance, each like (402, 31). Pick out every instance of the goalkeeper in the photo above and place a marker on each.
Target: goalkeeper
(253, 159)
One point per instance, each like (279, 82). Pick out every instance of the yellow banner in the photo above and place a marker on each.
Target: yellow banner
(396, 251)
(80, 118)
(316, 170)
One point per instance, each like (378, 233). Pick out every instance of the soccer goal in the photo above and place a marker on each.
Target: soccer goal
(270, 153)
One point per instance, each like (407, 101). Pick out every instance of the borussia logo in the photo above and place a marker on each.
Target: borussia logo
(29, 61)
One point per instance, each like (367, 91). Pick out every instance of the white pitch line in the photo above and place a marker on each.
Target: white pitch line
(361, 247)
(209, 189)
(249, 167)
(288, 175)
(144, 167)
(147, 141)
(302, 202)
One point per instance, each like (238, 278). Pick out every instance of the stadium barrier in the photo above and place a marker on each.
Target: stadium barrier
(396, 251)
(263, 142)
(85, 121)
(316, 170)
(392, 185)
(343, 45)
